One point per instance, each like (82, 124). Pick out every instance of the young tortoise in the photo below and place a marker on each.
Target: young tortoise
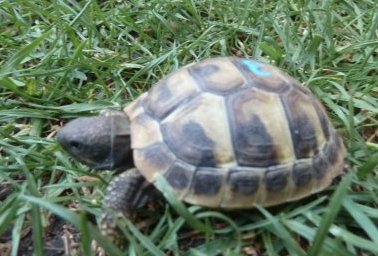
(225, 133)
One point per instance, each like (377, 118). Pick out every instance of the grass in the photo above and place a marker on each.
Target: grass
(64, 59)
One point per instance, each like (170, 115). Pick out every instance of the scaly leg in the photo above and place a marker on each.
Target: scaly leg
(126, 193)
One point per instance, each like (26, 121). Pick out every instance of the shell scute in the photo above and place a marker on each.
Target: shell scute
(145, 131)
(207, 187)
(302, 173)
(198, 132)
(264, 77)
(232, 133)
(320, 165)
(169, 93)
(156, 158)
(276, 178)
(218, 76)
(305, 128)
(244, 182)
(179, 175)
(256, 119)
(207, 181)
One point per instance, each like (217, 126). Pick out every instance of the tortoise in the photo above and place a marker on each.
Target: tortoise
(225, 133)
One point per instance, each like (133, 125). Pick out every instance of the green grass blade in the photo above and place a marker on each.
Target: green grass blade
(360, 217)
(330, 215)
(354, 240)
(85, 235)
(268, 244)
(62, 212)
(311, 50)
(279, 229)
(145, 241)
(37, 230)
(9, 84)
(329, 245)
(368, 167)
(11, 65)
(16, 234)
(168, 193)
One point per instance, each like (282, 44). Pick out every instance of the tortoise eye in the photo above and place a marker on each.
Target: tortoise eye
(75, 145)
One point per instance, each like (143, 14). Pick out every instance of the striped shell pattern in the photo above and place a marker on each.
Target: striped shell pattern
(231, 133)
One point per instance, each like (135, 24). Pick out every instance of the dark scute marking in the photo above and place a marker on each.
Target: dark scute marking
(320, 165)
(162, 103)
(301, 126)
(207, 181)
(323, 120)
(243, 182)
(331, 151)
(197, 136)
(276, 179)
(302, 173)
(190, 144)
(303, 137)
(157, 156)
(178, 176)
(281, 88)
(201, 72)
(253, 145)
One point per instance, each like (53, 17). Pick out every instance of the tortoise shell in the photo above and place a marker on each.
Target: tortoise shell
(231, 133)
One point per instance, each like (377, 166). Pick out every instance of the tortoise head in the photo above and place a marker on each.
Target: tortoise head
(101, 142)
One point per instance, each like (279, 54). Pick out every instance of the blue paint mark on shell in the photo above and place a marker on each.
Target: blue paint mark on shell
(255, 68)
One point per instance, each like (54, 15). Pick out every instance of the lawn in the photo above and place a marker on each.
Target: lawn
(64, 59)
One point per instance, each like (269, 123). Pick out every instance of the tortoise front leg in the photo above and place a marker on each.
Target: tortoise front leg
(126, 193)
